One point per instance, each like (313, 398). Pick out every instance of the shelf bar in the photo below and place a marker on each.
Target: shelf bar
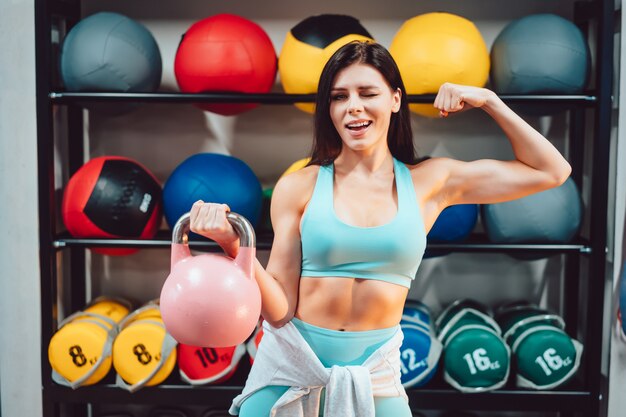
(277, 98)
(265, 242)
(501, 400)
(66, 242)
(221, 396)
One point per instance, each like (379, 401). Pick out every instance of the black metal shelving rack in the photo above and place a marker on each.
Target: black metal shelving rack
(586, 395)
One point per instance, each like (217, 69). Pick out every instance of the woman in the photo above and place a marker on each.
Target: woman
(350, 231)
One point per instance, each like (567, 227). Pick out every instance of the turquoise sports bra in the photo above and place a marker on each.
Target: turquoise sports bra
(391, 252)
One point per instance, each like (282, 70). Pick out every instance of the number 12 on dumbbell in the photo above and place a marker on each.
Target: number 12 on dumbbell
(409, 355)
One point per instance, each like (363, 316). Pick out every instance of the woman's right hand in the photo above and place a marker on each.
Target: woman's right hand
(209, 220)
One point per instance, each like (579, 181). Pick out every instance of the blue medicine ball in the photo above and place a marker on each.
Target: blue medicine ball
(540, 53)
(212, 178)
(454, 224)
(551, 216)
(110, 52)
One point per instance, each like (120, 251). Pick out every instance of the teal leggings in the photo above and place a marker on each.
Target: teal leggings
(332, 347)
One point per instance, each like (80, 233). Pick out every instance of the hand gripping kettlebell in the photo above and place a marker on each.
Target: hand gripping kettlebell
(211, 300)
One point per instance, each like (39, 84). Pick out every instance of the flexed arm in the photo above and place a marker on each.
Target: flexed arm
(538, 165)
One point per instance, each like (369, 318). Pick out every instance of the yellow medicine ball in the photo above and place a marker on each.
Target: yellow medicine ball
(296, 166)
(307, 48)
(435, 48)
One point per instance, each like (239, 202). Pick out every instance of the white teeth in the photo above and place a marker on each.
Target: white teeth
(362, 124)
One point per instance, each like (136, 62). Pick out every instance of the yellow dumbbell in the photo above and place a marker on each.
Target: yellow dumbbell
(144, 354)
(80, 351)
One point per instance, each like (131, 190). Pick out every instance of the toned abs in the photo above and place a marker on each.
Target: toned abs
(350, 304)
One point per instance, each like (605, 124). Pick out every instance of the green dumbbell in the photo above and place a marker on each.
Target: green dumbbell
(475, 358)
(544, 355)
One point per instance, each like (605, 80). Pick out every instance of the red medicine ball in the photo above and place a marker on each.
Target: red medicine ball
(112, 197)
(225, 53)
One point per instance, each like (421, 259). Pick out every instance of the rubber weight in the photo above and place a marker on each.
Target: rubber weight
(450, 316)
(419, 354)
(144, 353)
(80, 351)
(475, 357)
(205, 365)
(114, 308)
(544, 356)
(513, 315)
(417, 313)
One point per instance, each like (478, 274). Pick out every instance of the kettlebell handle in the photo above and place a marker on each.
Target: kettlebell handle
(242, 226)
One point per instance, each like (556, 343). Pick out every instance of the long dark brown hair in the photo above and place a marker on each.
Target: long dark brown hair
(326, 141)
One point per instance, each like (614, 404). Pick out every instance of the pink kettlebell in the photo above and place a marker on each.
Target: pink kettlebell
(211, 300)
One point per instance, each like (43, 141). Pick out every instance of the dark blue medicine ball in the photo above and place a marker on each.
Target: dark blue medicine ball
(454, 224)
(212, 178)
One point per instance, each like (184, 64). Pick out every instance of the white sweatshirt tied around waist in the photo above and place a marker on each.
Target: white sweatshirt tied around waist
(285, 358)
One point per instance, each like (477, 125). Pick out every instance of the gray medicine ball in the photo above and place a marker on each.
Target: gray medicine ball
(552, 216)
(541, 53)
(110, 52)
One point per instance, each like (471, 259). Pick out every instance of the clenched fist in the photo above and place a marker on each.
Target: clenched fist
(209, 220)
(453, 98)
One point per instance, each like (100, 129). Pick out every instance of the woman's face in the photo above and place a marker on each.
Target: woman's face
(361, 103)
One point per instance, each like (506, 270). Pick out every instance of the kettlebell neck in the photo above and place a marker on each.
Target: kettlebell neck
(180, 247)
(181, 229)
(247, 243)
(244, 229)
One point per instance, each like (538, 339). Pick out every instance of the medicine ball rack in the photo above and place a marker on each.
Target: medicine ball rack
(584, 259)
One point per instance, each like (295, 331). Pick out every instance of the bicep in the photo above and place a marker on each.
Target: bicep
(488, 181)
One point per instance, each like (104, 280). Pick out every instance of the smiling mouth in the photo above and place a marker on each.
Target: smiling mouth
(357, 127)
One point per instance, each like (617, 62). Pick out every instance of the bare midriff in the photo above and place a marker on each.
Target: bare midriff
(350, 304)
